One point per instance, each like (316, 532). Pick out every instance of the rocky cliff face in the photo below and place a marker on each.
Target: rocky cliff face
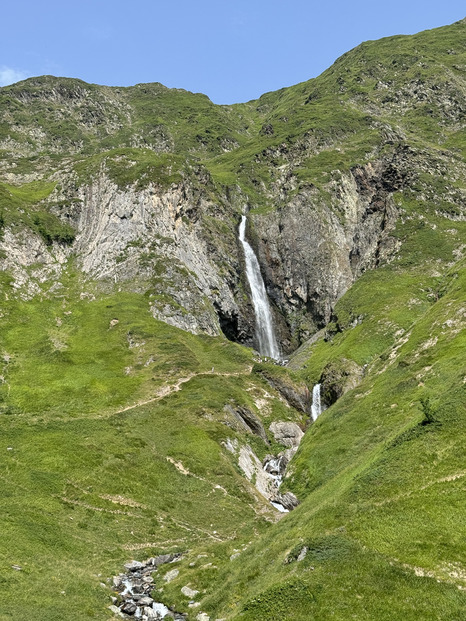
(180, 246)
(312, 250)
(156, 239)
(164, 243)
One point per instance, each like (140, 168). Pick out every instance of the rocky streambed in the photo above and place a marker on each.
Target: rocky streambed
(134, 588)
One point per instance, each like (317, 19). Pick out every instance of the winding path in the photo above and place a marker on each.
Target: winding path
(164, 391)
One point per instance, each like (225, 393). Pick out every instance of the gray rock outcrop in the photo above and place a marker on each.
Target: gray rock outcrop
(287, 433)
(243, 419)
(313, 250)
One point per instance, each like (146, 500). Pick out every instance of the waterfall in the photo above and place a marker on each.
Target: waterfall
(316, 407)
(264, 327)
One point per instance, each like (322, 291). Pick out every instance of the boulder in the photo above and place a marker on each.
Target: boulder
(191, 593)
(171, 575)
(134, 566)
(162, 559)
(129, 608)
(287, 433)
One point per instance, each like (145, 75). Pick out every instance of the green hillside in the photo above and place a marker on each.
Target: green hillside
(122, 434)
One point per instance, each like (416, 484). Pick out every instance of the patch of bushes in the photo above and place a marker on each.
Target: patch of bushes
(52, 229)
(428, 411)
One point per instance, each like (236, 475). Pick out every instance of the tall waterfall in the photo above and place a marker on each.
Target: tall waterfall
(316, 407)
(264, 327)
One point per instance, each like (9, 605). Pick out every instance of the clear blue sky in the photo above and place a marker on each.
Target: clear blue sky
(232, 51)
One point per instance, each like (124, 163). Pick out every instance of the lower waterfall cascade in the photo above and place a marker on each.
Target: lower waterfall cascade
(316, 407)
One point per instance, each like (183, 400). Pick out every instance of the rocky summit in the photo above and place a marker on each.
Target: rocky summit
(140, 418)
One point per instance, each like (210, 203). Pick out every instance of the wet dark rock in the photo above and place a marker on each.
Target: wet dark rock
(338, 377)
(275, 466)
(247, 420)
(298, 397)
(129, 608)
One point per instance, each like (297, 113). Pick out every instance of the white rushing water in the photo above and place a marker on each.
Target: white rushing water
(268, 345)
(316, 407)
(274, 468)
(280, 507)
(161, 609)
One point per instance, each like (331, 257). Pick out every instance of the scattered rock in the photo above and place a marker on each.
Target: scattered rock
(266, 130)
(191, 593)
(117, 581)
(171, 575)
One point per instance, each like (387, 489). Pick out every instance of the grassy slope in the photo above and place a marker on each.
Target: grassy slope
(393, 84)
(382, 491)
(86, 482)
(378, 94)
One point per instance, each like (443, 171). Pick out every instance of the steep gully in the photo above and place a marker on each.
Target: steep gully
(134, 588)
(273, 467)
